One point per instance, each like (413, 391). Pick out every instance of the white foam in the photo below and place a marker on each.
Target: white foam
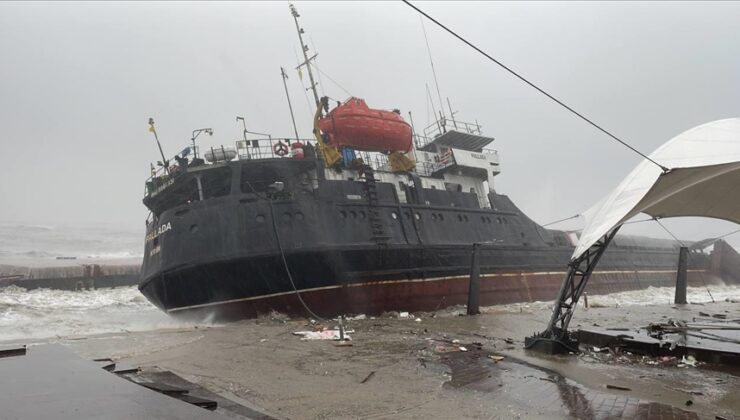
(644, 297)
(44, 313)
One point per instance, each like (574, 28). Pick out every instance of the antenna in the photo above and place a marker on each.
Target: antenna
(434, 73)
(304, 49)
(285, 77)
(452, 114)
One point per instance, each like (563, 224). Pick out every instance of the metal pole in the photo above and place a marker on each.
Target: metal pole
(682, 276)
(200, 187)
(304, 49)
(452, 114)
(474, 285)
(153, 130)
(285, 77)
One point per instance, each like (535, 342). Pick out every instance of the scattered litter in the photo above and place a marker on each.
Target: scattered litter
(688, 361)
(496, 358)
(322, 335)
(548, 380)
(600, 349)
(456, 341)
(403, 315)
(418, 320)
(263, 340)
(619, 387)
(357, 317)
(343, 343)
(367, 378)
(463, 348)
(445, 349)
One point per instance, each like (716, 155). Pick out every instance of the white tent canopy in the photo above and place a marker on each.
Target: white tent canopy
(704, 180)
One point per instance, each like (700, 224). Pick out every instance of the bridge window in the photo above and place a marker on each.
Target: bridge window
(216, 182)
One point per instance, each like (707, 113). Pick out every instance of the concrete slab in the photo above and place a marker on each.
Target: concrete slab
(51, 382)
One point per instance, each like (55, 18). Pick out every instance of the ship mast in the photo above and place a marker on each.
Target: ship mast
(304, 49)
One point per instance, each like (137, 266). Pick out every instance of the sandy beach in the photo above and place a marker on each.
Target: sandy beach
(413, 367)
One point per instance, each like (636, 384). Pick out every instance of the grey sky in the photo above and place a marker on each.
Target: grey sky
(78, 82)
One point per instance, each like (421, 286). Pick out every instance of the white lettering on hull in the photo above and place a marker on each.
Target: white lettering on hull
(154, 234)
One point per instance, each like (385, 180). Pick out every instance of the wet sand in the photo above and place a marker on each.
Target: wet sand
(413, 369)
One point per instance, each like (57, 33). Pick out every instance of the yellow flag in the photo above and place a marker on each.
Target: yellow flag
(151, 128)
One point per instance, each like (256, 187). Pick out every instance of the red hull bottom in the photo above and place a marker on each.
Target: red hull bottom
(373, 298)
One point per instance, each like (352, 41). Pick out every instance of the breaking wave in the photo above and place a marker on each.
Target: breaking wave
(43, 313)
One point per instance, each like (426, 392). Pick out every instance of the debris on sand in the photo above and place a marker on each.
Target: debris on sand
(367, 378)
(322, 335)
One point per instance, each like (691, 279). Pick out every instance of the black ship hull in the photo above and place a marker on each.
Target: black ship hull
(372, 280)
(350, 249)
(222, 290)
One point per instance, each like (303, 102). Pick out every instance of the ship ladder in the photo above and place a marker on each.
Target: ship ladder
(379, 234)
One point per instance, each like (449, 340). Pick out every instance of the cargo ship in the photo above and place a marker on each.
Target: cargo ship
(368, 215)
(270, 222)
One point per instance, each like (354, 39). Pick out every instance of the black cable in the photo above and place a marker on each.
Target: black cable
(285, 264)
(669, 232)
(561, 220)
(453, 33)
(282, 252)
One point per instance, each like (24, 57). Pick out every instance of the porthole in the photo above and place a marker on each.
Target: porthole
(193, 228)
(353, 214)
(299, 216)
(287, 217)
(434, 216)
(394, 215)
(417, 216)
(459, 217)
(441, 216)
(343, 214)
(362, 215)
(498, 220)
(506, 221)
(260, 218)
(465, 217)
(522, 233)
(408, 215)
(483, 219)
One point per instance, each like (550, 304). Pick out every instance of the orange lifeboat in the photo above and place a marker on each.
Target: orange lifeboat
(354, 124)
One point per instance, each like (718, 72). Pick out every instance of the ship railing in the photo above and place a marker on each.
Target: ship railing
(164, 173)
(267, 148)
(441, 126)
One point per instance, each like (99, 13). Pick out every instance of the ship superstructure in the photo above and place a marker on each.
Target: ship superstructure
(249, 228)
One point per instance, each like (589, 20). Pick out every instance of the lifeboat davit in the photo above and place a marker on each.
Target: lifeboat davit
(354, 124)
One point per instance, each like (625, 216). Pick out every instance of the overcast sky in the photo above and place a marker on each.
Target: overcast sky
(78, 82)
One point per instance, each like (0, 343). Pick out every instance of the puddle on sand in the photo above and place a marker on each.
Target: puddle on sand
(546, 392)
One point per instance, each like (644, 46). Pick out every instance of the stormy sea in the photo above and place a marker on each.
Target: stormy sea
(44, 313)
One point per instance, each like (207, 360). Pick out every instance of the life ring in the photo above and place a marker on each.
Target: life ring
(280, 149)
